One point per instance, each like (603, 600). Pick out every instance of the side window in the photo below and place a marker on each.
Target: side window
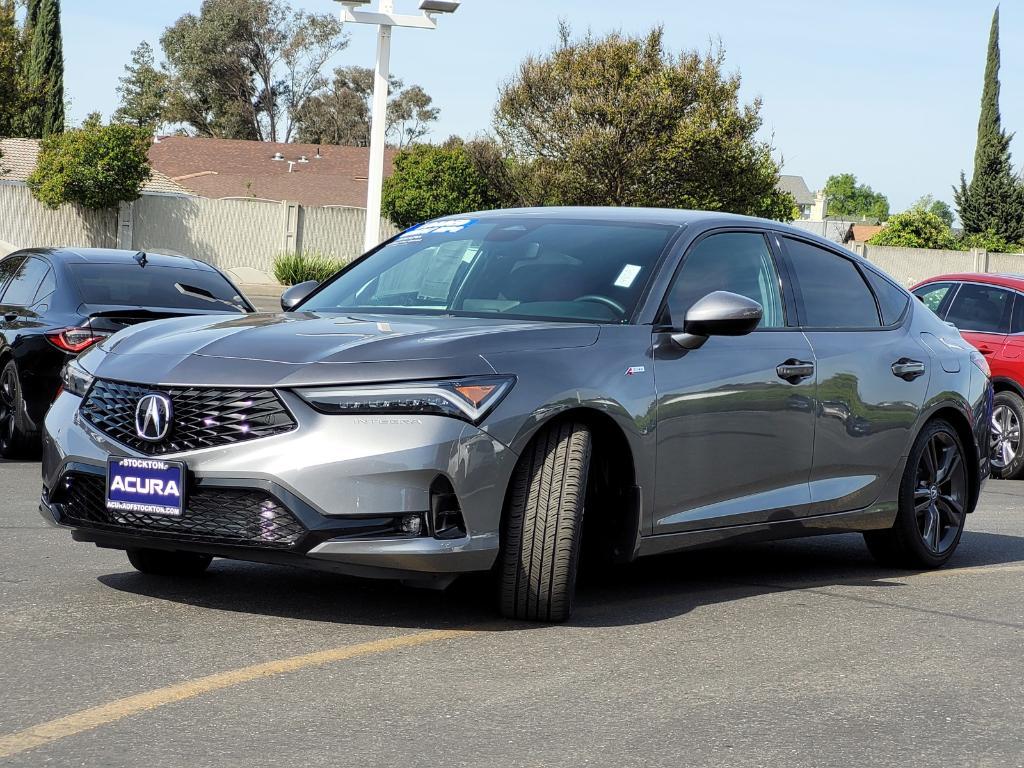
(7, 269)
(1017, 323)
(981, 308)
(933, 295)
(739, 262)
(834, 293)
(27, 279)
(891, 300)
(46, 288)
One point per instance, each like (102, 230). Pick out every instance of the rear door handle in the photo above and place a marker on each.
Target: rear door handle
(794, 371)
(908, 369)
(986, 350)
(11, 317)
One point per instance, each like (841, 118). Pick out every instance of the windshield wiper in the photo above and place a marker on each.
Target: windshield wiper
(205, 295)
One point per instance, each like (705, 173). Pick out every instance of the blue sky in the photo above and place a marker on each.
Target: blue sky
(886, 90)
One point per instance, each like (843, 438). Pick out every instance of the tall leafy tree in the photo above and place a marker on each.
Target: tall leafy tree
(620, 120)
(143, 91)
(939, 208)
(993, 201)
(858, 201)
(12, 81)
(44, 70)
(339, 113)
(244, 69)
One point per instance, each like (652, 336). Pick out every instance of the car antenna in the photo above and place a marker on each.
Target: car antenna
(141, 258)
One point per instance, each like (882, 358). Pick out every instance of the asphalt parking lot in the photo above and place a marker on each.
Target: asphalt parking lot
(796, 653)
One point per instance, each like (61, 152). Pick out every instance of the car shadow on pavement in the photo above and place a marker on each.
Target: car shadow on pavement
(650, 590)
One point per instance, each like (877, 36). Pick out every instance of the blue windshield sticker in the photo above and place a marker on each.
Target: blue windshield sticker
(439, 227)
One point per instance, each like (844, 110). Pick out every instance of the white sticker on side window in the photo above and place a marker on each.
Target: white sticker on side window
(627, 276)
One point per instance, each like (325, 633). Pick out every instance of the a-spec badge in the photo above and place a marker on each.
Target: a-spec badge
(634, 370)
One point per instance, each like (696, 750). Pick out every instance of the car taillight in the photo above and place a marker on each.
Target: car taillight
(75, 340)
(979, 360)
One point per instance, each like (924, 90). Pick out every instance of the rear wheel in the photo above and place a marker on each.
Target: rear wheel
(158, 562)
(1007, 417)
(544, 525)
(17, 440)
(932, 505)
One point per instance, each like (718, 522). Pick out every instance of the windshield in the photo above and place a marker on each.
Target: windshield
(159, 287)
(518, 266)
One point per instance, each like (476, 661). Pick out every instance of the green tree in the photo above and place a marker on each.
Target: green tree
(95, 166)
(243, 69)
(12, 80)
(993, 201)
(339, 113)
(848, 198)
(44, 70)
(620, 120)
(143, 91)
(939, 207)
(431, 181)
(916, 228)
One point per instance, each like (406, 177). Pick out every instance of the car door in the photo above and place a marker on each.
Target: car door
(735, 425)
(872, 373)
(982, 314)
(8, 313)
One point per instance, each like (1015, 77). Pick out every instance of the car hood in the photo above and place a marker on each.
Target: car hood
(308, 348)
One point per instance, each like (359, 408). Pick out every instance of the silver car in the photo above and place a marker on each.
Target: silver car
(522, 391)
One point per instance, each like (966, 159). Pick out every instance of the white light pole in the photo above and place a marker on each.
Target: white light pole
(385, 18)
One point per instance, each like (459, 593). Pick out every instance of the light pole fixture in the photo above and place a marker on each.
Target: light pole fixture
(354, 12)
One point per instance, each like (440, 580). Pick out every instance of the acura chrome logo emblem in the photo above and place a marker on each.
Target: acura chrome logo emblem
(153, 417)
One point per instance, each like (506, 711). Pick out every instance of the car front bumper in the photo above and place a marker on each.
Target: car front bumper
(326, 495)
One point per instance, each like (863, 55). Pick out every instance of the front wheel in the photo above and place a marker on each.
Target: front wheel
(1007, 417)
(933, 503)
(544, 525)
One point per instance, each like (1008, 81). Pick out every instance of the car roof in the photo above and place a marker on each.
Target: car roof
(1006, 280)
(673, 216)
(118, 256)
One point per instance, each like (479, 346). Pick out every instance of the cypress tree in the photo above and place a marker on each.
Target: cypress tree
(45, 69)
(993, 202)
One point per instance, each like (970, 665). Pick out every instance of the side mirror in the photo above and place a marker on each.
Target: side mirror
(294, 295)
(718, 314)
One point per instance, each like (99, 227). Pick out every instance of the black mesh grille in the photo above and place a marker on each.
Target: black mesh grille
(203, 418)
(232, 516)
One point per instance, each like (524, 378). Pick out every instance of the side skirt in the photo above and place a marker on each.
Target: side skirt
(875, 517)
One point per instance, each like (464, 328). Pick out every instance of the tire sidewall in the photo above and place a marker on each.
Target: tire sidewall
(1014, 469)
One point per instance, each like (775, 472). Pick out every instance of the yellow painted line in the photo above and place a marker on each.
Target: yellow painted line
(88, 719)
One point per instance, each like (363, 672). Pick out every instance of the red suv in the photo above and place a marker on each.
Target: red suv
(989, 312)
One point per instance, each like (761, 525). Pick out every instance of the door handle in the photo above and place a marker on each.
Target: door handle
(908, 369)
(794, 371)
(986, 350)
(11, 316)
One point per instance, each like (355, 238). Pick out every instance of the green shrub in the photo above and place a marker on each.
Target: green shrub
(916, 228)
(989, 241)
(295, 268)
(96, 166)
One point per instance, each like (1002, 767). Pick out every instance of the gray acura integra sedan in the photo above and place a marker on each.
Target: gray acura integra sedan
(514, 391)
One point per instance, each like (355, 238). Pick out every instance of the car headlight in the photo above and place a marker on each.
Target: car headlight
(75, 379)
(470, 399)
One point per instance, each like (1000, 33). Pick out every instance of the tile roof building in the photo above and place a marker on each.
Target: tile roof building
(304, 173)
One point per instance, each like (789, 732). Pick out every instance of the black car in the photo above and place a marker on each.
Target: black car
(57, 302)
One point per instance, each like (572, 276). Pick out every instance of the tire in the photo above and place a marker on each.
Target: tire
(159, 562)
(17, 439)
(1007, 453)
(933, 505)
(544, 525)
